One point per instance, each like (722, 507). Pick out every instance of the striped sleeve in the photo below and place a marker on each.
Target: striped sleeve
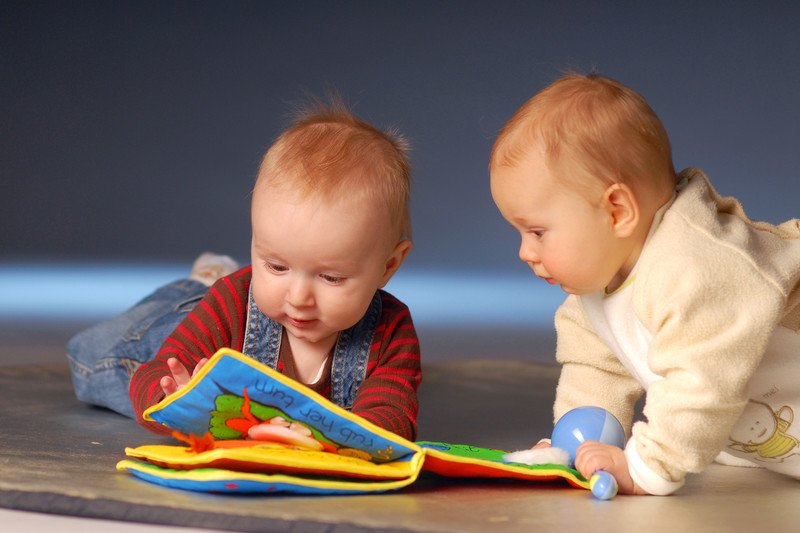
(218, 321)
(388, 395)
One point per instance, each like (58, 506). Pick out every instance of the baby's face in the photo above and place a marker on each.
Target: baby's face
(317, 264)
(565, 239)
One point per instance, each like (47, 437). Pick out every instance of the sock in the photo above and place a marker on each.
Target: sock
(209, 267)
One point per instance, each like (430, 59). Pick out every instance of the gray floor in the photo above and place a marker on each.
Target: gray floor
(476, 389)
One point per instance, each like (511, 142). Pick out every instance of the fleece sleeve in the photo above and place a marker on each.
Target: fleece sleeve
(712, 313)
(590, 374)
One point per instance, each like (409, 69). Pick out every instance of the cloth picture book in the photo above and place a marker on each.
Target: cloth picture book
(246, 428)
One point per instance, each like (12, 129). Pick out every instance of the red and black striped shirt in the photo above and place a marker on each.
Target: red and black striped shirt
(387, 396)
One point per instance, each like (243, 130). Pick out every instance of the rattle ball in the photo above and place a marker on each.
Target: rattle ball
(586, 423)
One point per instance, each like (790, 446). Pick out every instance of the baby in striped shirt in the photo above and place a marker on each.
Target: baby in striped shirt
(330, 227)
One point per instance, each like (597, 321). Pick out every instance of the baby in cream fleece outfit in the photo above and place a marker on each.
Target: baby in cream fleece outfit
(673, 291)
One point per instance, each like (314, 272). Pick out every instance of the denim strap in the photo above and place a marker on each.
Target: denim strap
(262, 335)
(262, 342)
(351, 354)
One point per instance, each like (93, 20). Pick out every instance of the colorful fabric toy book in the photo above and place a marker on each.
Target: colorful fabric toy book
(248, 429)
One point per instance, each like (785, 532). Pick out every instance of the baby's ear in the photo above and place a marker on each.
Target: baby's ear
(623, 207)
(395, 260)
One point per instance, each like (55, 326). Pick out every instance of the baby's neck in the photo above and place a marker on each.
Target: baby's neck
(309, 357)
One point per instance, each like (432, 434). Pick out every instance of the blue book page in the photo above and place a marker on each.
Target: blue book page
(233, 392)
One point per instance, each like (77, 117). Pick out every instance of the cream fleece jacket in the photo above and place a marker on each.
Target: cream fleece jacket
(711, 288)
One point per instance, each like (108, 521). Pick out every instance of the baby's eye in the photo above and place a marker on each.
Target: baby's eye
(537, 232)
(275, 267)
(333, 280)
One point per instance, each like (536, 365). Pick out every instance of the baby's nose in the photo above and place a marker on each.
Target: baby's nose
(527, 254)
(300, 293)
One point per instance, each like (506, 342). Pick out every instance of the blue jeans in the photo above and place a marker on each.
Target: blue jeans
(103, 358)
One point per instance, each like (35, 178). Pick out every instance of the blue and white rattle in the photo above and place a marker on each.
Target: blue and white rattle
(590, 423)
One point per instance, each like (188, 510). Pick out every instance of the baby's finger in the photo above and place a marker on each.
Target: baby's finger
(200, 364)
(179, 372)
(168, 385)
(591, 457)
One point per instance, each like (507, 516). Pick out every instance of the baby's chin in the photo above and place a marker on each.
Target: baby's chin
(578, 292)
(312, 335)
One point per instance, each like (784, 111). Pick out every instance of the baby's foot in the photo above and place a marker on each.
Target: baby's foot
(208, 268)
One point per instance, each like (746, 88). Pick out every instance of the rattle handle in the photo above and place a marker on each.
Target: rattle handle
(603, 485)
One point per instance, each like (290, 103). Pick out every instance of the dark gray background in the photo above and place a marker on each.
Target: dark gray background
(133, 130)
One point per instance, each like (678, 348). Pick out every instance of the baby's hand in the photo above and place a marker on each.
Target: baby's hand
(278, 429)
(592, 456)
(180, 376)
(543, 443)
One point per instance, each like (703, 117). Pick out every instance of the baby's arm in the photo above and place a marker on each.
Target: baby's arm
(388, 395)
(710, 329)
(191, 342)
(591, 374)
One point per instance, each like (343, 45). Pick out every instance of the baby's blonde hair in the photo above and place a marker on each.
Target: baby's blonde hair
(593, 125)
(330, 153)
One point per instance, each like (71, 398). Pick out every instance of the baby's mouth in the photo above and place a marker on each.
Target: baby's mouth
(299, 322)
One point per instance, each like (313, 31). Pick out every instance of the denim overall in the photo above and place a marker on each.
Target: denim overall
(262, 342)
(103, 358)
